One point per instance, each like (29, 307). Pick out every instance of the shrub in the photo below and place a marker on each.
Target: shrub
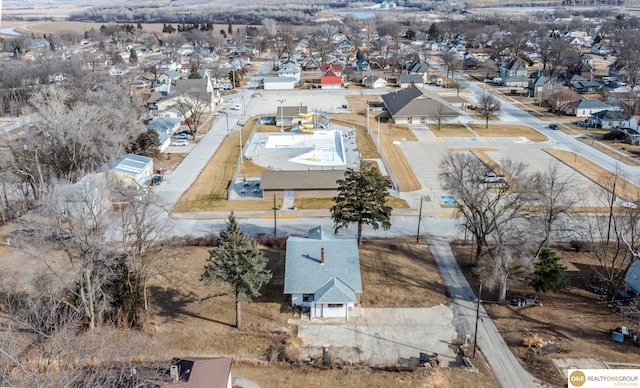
(580, 246)
(273, 242)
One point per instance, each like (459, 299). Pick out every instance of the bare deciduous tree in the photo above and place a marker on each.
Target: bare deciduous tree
(192, 106)
(481, 209)
(488, 106)
(270, 26)
(557, 196)
(613, 237)
(458, 85)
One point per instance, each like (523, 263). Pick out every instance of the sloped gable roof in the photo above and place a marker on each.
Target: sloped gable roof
(590, 103)
(412, 101)
(335, 291)
(304, 272)
(130, 164)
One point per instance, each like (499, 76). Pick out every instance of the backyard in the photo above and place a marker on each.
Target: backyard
(573, 323)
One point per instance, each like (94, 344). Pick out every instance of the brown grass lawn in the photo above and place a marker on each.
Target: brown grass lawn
(189, 318)
(626, 153)
(450, 130)
(572, 321)
(400, 273)
(509, 130)
(624, 189)
(388, 134)
(209, 191)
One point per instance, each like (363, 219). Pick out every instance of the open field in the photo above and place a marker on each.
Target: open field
(509, 130)
(573, 322)
(188, 318)
(623, 188)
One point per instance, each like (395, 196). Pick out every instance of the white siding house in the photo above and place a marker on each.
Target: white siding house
(322, 273)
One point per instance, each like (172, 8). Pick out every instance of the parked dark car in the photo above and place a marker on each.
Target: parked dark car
(268, 120)
(156, 180)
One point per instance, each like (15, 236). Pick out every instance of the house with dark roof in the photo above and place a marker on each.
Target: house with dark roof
(416, 67)
(608, 119)
(536, 86)
(513, 68)
(583, 86)
(322, 273)
(413, 105)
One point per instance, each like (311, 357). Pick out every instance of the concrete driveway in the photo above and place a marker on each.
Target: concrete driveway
(385, 336)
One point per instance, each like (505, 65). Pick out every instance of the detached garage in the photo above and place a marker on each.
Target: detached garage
(278, 83)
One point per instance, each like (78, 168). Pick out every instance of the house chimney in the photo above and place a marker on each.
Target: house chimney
(321, 256)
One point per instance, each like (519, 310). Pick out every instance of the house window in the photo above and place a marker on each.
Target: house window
(330, 305)
(307, 298)
(409, 120)
(423, 120)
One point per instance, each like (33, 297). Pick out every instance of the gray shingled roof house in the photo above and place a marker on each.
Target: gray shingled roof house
(413, 105)
(322, 273)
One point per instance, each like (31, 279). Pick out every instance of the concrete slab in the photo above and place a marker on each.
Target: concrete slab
(385, 337)
(564, 364)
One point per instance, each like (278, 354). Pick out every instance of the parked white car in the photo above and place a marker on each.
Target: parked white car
(179, 143)
(237, 107)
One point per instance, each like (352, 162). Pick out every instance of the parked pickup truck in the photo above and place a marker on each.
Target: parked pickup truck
(492, 177)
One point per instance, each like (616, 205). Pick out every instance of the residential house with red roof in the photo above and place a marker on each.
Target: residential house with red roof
(331, 76)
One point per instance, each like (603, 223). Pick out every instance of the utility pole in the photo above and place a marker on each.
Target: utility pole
(475, 335)
(378, 119)
(226, 112)
(282, 114)
(274, 216)
(241, 156)
(419, 220)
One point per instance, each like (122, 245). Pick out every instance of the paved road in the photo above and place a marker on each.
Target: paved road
(504, 365)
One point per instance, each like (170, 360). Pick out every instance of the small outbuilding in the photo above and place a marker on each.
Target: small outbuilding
(133, 170)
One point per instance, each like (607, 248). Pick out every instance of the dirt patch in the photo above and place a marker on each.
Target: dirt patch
(509, 130)
(604, 178)
(574, 323)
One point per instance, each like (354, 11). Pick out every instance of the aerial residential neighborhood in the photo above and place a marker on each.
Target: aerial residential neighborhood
(336, 194)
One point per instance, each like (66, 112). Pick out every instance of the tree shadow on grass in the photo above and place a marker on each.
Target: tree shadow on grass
(173, 304)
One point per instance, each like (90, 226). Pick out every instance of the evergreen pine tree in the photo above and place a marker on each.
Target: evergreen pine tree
(133, 56)
(434, 34)
(549, 274)
(237, 262)
(361, 199)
